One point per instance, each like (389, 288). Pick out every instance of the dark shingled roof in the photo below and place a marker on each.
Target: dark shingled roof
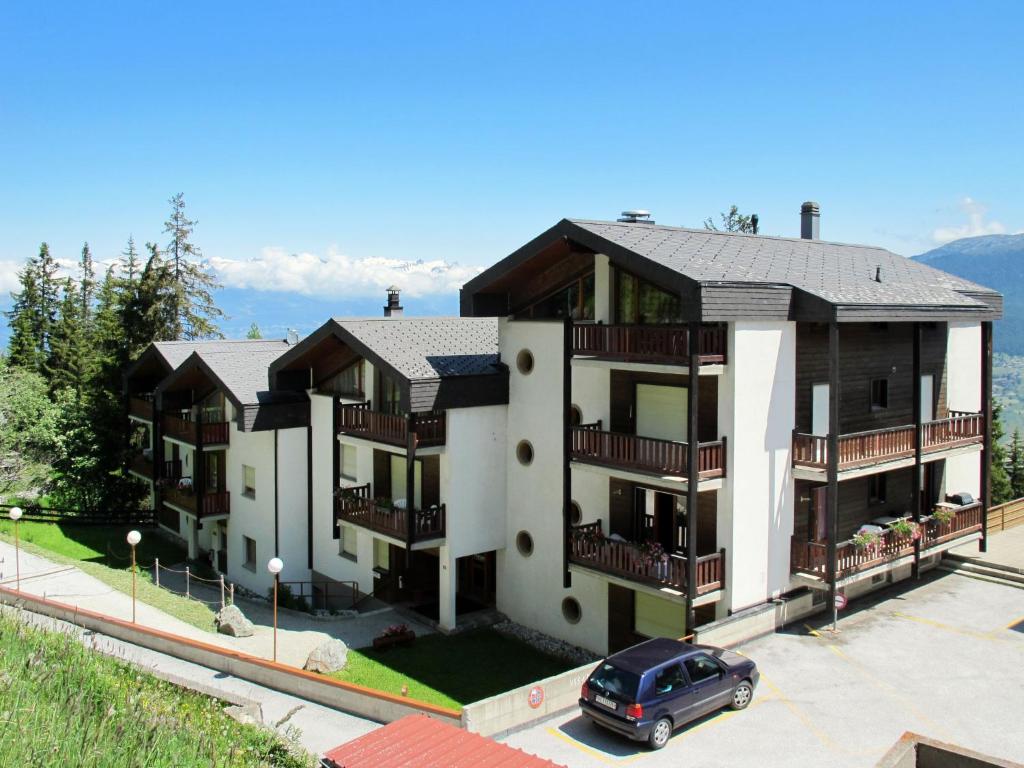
(240, 366)
(430, 347)
(836, 272)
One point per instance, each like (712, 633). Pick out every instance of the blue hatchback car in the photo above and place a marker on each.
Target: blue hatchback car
(647, 691)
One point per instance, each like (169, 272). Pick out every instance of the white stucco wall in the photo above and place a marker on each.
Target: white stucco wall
(473, 479)
(530, 588)
(591, 393)
(602, 289)
(963, 392)
(756, 413)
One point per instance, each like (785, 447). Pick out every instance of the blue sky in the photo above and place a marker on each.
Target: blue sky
(452, 133)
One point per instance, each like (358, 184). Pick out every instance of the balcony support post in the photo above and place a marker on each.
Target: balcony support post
(917, 501)
(158, 454)
(986, 412)
(692, 473)
(410, 483)
(567, 349)
(832, 465)
(199, 467)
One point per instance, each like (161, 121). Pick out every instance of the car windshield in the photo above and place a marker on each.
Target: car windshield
(618, 682)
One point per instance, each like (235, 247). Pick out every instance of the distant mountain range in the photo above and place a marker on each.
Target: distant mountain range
(995, 261)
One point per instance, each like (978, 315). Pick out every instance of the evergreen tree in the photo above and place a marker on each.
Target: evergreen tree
(190, 298)
(34, 312)
(87, 286)
(1016, 466)
(130, 264)
(69, 347)
(27, 430)
(254, 332)
(733, 221)
(1002, 490)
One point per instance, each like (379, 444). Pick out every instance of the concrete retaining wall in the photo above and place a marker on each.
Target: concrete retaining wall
(346, 697)
(528, 704)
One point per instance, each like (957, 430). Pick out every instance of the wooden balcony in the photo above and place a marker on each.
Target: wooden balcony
(665, 344)
(878, 446)
(357, 506)
(140, 408)
(589, 548)
(187, 431)
(648, 455)
(141, 464)
(202, 505)
(811, 557)
(358, 420)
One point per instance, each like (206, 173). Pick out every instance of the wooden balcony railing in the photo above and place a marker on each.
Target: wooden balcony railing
(357, 507)
(588, 547)
(357, 419)
(185, 430)
(141, 407)
(648, 343)
(592, 445)
(142, 464)
(877, 446)
(202, 505)
(811, 557)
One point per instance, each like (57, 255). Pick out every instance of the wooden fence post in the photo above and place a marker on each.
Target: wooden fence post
(156, 571)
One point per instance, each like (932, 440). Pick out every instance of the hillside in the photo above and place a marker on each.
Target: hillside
(996, 261)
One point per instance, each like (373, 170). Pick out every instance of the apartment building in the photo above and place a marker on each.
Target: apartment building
(225, 459)
(702, 423)
(633, 430)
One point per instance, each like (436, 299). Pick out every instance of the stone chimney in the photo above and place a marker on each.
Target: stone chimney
(393, 308)
(809, 217)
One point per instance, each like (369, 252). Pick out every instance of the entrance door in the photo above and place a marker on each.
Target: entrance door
(819, 409)
(927, 397)
(476, 578)
(661, 412)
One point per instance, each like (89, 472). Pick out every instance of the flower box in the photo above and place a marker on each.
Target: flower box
(387, 641)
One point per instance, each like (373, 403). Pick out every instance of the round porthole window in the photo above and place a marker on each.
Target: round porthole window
(571, 610)
(524, 452)
(575, 513)
(524, 543)
(575, 416)
(524, 361)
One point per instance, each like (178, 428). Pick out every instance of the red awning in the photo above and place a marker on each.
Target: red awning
(418, 741)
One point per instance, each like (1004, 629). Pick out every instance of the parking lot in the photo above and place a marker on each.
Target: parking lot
(943, 657)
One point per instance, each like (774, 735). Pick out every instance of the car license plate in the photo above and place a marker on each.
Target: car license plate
(606, 702)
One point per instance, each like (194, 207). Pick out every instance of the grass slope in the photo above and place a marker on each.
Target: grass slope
(452, 671)
(103, 554)
(62, 704)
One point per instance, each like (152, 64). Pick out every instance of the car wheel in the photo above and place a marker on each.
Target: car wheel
(742, 695)
(660, 733)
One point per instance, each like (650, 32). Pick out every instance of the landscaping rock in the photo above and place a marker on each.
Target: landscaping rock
(231, 621)
(328, 657)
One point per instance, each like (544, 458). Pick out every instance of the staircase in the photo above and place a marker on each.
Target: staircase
(976, 568)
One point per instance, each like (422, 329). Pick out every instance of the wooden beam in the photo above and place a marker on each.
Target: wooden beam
(566, 449)
(692, 472)
(832, 464)
(410, 484)
(986, 410)
(918, 499)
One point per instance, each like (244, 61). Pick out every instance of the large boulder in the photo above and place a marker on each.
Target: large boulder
(231, 621)
(327, 657)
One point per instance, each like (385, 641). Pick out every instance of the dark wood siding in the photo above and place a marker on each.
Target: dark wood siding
(620, 509)
(623, 400)
(855, 508)
(869, 351)
(259, 418)
(458, 392)
(381, 474)
(707, 523)
(724, 301)
(621, 617)
(430, 479)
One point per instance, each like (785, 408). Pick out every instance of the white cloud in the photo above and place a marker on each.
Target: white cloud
(975, 226)
(307, 273)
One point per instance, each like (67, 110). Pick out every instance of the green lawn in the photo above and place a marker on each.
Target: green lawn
(62, 704)
(452, 671)
(103, 553)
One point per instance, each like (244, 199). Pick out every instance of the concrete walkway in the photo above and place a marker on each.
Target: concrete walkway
(316, 728)
(1004, 548)
(297, 634)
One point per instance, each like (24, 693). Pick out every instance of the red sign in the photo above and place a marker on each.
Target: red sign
(841, 601)
(535, 697)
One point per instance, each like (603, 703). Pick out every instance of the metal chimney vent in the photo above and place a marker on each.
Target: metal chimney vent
(292, 337)
(636, 217)
(393, 308)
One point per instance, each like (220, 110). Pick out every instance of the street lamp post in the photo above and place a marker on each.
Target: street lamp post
(15, 515)
(134, 537)
(275, 566)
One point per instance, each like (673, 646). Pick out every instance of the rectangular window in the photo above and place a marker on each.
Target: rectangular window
(390, 396)
(876, 489)
(249, 481)
(348, 462)
(381, 555)
(348, 542)
(879, 394)
(638, 301)
(249, 545)
(348, 382)
(576, 301)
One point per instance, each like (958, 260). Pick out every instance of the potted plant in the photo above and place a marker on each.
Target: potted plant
(943, 514)
(867, 542)
(906, 529)
(651, 552)
(396, 634)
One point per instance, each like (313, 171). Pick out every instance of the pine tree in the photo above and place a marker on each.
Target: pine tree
(34, 312)
(130, 264)
(87, 286)
(733, 221)
(1016, 465)
(254, 332)
(1002, 491)
(190, 299)
(68, 344)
